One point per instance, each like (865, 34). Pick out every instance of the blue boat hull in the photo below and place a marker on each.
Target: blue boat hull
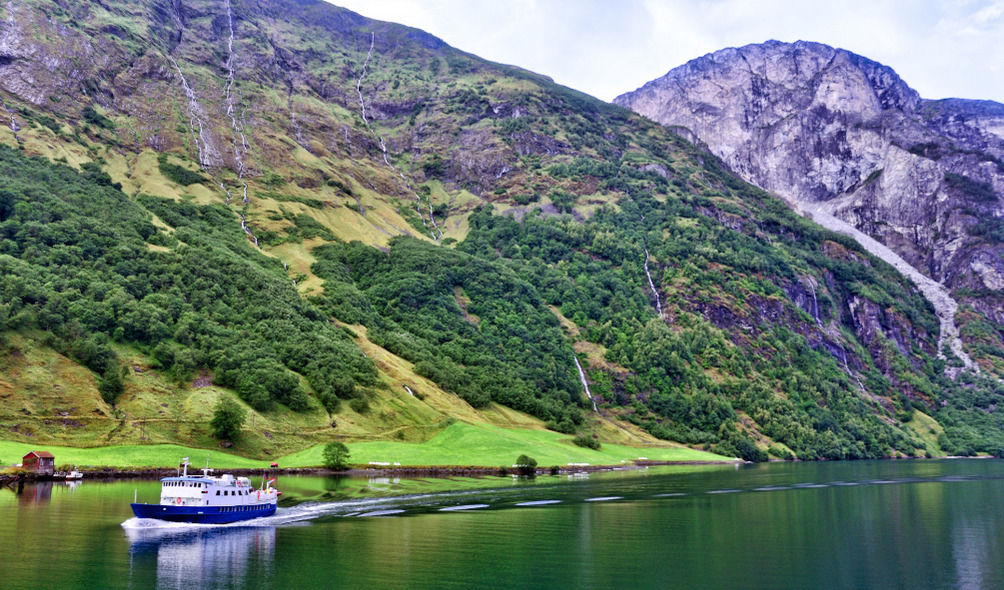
(202, 514)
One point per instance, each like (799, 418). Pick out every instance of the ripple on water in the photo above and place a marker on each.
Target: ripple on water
(538, 503)
(604, 499)
(464, 507)
(724, 491)
(381, 513)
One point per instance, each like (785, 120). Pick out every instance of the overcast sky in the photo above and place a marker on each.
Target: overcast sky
(948, 48)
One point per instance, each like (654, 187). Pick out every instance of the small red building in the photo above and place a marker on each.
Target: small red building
(40, 462)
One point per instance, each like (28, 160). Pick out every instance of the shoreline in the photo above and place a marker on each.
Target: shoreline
(443, 471)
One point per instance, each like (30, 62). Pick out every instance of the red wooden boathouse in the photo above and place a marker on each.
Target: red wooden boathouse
(42, 462)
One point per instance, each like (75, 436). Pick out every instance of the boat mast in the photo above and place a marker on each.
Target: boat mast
(184, 465)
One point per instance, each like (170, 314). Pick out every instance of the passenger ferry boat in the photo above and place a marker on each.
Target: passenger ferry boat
(208, 499)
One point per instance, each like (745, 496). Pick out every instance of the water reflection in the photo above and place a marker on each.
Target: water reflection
(824, 526)
(199, 556)
(34, 494)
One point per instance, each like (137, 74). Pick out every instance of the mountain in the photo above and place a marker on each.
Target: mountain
(360, 231)
(837, 134)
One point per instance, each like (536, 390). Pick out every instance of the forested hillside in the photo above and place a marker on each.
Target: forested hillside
(323, 208)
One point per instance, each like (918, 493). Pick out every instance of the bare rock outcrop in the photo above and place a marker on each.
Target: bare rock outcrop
(815, 124)
(838, 134)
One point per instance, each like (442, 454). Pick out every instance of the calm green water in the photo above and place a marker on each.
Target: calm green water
(907, 524)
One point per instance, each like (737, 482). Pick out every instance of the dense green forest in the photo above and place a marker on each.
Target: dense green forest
(77, 262)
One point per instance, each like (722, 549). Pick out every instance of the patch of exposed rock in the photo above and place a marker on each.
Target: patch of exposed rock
(845, 137)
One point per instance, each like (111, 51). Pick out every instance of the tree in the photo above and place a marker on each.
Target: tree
(336, 456)
(527, 465)
(110, 386)
(228, 418)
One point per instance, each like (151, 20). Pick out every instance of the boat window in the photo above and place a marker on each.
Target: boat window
(217, 492)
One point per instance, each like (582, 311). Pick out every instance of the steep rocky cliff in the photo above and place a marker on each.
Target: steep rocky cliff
(839, 134)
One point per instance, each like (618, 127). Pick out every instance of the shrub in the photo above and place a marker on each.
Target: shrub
(110, 386)
(586, 441)
(780, 453)
(228, 419)
(335, 456)
(177, 174)
(526, 465)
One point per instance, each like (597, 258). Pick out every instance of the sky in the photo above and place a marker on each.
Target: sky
(942, 49)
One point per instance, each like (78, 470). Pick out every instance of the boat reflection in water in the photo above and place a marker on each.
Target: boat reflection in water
(197, 556)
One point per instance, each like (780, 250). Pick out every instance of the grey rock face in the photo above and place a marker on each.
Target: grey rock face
(820, 125)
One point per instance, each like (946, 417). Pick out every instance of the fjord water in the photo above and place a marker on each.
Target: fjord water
(905, 524)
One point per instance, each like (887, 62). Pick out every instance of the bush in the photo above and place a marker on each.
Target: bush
(335, 456)
(780, 453)
(110, 386)
(179, 175)
(526, 465)
(97, 119)
(228, 419)
(359, 405)
(586, 441)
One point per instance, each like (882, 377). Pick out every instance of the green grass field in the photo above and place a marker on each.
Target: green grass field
(484, 445)
(126, 456)
(459, 444)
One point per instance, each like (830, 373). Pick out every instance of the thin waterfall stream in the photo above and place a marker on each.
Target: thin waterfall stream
(585, 385)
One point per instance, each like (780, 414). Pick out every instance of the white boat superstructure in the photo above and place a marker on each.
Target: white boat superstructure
(208, 490)
(210, 499)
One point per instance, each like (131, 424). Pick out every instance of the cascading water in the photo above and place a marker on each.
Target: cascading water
(815, 304)
(237, 128)
(208, 157)
(585, 385)
(651, 284)
(436, 232)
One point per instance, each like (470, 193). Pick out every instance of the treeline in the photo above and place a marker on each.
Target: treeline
(84, 263)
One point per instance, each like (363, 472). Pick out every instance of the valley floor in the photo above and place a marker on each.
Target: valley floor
(459, 444)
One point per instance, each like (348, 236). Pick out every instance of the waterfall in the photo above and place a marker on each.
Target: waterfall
(843, 355)
(582, 377)
(238, 129)
(651, 283)
(247, 230)
(208, 157)
(436, 232)
(815, 304)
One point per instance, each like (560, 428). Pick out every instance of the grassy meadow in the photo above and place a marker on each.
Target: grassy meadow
(458, 444)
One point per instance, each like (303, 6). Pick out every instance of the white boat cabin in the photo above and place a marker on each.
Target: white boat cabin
(207, 490)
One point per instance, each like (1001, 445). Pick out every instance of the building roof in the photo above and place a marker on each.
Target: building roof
(42, 454)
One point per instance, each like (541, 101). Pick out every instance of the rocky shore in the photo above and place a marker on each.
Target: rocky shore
(108, 473)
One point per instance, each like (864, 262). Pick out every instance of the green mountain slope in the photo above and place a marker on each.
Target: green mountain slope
(348, 221)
